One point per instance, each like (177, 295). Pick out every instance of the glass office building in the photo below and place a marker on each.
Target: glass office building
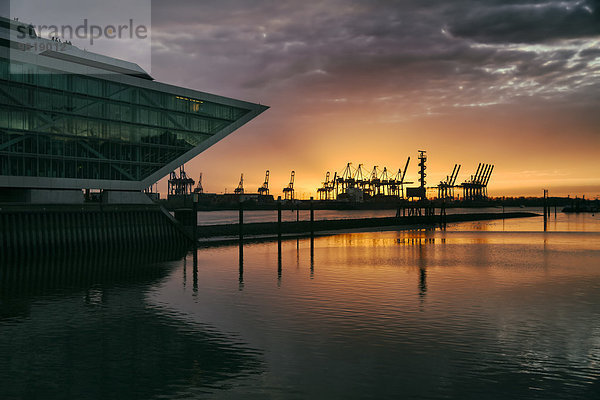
(71, 119)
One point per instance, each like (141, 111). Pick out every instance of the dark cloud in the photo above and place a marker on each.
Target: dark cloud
(529, 22)
(412, 54)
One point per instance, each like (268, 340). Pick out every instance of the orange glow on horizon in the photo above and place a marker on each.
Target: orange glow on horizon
(327, 140)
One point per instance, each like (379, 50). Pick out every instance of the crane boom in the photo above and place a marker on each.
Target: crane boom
(484, 174)
(455, 176)
(474, 177)
(489, 176)
(405, 169)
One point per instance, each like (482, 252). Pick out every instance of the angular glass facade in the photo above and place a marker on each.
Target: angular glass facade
(76, 126)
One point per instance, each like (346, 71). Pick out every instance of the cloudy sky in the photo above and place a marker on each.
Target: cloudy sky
(515, 83)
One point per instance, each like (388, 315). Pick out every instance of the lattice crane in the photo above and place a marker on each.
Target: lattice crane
(264, 189)
(199, 189)
(288, 191)
(240, 188)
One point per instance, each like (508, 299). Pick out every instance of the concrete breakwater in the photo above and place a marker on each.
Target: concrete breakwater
(306, 227)
(30, 230)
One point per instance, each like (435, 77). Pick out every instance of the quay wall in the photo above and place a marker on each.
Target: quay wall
(30, 230)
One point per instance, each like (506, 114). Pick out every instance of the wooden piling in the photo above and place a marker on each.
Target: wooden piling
(240, 221)
(279, 217)
(312, 217)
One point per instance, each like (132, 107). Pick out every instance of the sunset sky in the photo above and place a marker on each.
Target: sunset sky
(512, 83)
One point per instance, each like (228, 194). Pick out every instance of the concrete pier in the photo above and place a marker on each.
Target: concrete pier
(301, 228)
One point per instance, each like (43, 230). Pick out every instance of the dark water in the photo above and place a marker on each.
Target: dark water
(489, 310)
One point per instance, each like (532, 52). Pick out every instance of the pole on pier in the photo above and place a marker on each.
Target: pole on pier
(195, 219)
(241, 221)
(312, 218)
(279, 218)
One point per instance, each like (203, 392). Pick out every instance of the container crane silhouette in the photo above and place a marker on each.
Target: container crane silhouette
(288, 191)
(264, 189)
(240, 188)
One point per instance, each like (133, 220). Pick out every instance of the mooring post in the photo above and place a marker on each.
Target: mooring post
(298, 212)
(195, 219)
(241, 221)
(312, 218)
(279, 218)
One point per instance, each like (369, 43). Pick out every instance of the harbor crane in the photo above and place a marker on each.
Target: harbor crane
(376, 183)
(345, 180)
(240, 188)
(180, 185)
(446, 187)
(199, 189)
(288, 191)
(384, 181)
(401, 183)
(264, 189)
(475, 188)
(397, 183)
(325, 191)
(359, 177)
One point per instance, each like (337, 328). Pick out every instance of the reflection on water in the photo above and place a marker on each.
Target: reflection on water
(84, 329)
(472, 311)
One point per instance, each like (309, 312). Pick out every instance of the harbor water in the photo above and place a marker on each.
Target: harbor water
(488, 309)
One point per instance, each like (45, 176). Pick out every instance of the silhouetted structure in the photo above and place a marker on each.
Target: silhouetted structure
(240, 188)
(199, 189)
(420, 191)
(352, 184)
(325, 192)
(288, 192)
(180, 185)
(446, 187)
(475, 188)
(264, 189)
